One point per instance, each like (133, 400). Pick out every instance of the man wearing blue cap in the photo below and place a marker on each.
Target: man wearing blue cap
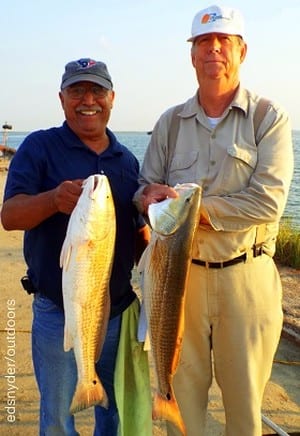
(238, 148)
(43, 186)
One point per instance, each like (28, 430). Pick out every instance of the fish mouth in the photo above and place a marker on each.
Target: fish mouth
(93, 184)
(96, 182)
(96, 185)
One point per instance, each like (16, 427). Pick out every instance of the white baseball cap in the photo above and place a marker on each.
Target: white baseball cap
(218, 19)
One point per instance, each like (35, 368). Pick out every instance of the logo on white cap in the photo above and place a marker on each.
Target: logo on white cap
(210, 18)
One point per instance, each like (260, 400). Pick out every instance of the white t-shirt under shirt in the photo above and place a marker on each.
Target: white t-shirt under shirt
(213, 121)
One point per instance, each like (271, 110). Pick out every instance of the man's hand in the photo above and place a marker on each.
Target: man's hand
(23, 211)
(155, 193)
(66, 195)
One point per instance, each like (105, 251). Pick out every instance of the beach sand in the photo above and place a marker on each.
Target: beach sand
(19, 394)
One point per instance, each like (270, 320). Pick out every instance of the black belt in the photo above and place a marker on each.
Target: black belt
(234, 261)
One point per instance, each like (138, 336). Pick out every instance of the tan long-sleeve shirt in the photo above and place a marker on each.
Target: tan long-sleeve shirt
(245, 175)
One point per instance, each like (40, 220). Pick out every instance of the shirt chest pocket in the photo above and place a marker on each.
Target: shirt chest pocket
(237, 168)
(183, 168)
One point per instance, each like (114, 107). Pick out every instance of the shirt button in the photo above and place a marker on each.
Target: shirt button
(213, 162)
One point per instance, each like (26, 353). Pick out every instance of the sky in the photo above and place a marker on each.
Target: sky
(144, 46)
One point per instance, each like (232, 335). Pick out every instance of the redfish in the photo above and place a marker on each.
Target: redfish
(165, 265)
(86, 259)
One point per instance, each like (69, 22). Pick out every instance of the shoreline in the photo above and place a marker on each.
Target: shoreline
(138, 145)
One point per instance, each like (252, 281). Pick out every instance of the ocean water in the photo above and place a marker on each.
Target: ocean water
(137, 142)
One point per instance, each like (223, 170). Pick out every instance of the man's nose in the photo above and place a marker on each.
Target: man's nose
(215, 46)
(89, 96)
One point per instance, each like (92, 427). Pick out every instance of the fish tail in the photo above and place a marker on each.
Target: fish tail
(89, 394)
(168, 409)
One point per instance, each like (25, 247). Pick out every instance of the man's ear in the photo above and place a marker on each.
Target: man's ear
(243, 51)
(61, 97)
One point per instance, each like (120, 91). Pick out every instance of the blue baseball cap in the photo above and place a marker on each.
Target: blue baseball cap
(87, 70)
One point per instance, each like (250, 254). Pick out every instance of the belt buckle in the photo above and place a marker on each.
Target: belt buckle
(257, 250)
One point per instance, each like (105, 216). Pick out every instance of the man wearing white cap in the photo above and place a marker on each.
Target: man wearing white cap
(238, 148)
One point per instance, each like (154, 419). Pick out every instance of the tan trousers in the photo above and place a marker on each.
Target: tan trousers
(236, 314)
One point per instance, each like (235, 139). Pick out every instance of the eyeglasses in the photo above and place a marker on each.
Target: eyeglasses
(77, 92)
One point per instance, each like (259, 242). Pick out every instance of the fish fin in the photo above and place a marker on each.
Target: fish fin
(141, 264)
(147, 343)
(65, 254)
(168, 409)
(147, 253)
(68, 340)
(82, 248)
(89, 394)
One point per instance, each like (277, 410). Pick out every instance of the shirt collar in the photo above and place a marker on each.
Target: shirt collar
(240, 100)
(114, 148)
(192, 106)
